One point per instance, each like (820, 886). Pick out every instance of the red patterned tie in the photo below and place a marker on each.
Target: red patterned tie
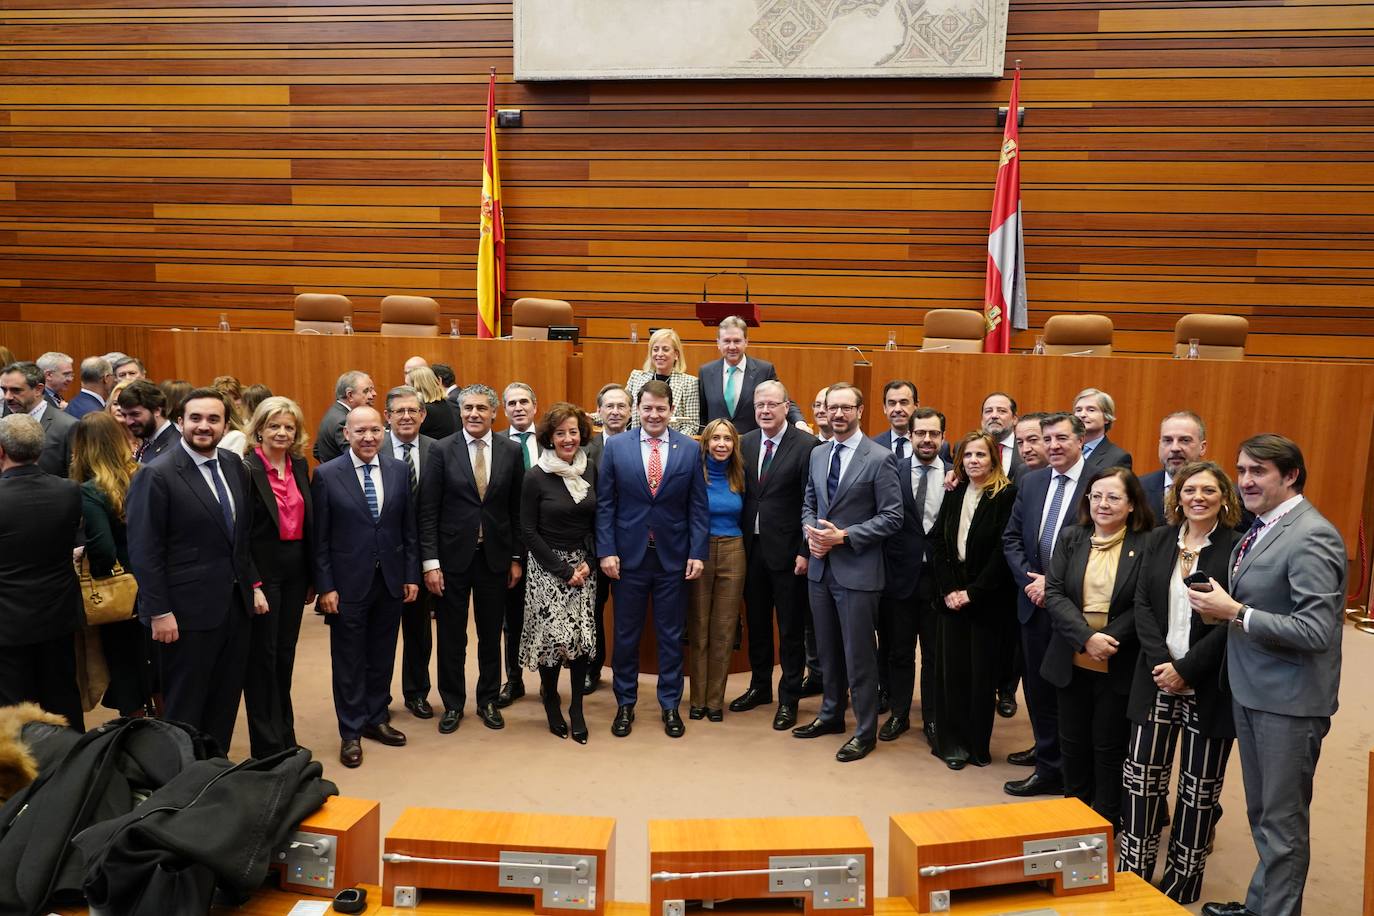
(655, 467)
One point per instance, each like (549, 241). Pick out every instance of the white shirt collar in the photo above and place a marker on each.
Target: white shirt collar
(775, 439)
(848, 442)
(469, 438)
(645, 437)
(725, 364)
(1073, 473)
(1009, 439)
(358, 462)
(513, 432)
(198, 458)
(95, 395)
(38, 409)
(1280, 510)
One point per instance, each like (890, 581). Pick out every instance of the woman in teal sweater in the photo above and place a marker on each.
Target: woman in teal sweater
(715, 601)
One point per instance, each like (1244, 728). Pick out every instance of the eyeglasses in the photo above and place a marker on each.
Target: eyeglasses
(404, 411)
(1111, 499)
(768, 405)
(842, 408)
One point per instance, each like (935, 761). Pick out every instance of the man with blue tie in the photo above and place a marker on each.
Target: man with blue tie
(652, 535)
(144, 406)
(853, 503)
(1046, 500)
(521, 407)
(367, 564)
(1097, 411)
(189, 529)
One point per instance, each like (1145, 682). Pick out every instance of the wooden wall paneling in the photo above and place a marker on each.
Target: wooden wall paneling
(1209, 157)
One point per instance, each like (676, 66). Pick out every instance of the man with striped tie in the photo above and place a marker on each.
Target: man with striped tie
(367, 564)
(1046, 500)
(522, 407)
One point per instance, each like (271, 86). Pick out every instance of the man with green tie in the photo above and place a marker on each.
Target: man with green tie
(522, 408)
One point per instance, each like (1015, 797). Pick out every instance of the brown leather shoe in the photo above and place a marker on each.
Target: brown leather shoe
(386, 734)
(351, 753)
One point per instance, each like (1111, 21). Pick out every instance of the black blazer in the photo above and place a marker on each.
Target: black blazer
(1107, 455)
(329, 440)
(451, 513)
(711, 392)
(265, 535)
(160, 442)
(1202, 666)
(907, 551)
(441, 419)
(1064, 601)
(183, 558)
(776, 502)
(983, 572)
(40, 520)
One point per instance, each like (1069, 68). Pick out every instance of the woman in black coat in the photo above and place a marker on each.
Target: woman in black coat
(1090, 597)
(280, 542)
(1179, 688)
(976, 593)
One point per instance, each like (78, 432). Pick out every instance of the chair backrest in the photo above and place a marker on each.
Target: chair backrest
(1218, 336)
(954, 330)
(1086, 335)
(531, 318)
(410, 316)
(323, 313)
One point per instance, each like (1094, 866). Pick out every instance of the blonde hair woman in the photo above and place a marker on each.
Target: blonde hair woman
(715, 603)
(667, 363)
(113, 409)
(441, 419)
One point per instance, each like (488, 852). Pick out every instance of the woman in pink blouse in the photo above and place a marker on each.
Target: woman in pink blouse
(280, 543)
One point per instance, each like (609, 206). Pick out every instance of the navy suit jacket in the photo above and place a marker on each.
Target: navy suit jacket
(83, 403)
(1108, 454)
(907, 550)
(161, 442)
(1021, 540)
(183, 557)
(678, 515)
(1154, 495)
(349, 545)
(711, 390)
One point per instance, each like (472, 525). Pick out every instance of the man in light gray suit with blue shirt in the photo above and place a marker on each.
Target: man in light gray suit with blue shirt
(1283, 657)
(853, 504)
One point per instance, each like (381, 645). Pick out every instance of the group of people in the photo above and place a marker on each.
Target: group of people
(1134, 611)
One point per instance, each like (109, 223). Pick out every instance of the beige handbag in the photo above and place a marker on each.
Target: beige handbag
(107, 600)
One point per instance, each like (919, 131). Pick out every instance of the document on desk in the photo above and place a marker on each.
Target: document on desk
(312, 908)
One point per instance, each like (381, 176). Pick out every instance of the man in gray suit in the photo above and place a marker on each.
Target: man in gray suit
(405, 413)
(22, 385)
(853, 503)
(1283, 657)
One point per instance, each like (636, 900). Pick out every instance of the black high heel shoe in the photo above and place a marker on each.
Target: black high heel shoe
(579, 726)
(556, 723)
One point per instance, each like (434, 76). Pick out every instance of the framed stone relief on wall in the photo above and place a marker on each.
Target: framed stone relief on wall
(743, 39)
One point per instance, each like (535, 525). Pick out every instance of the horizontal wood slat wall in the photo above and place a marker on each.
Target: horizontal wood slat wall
(162, 161)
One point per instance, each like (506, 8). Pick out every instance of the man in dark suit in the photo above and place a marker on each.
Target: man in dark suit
(777, 459)
(1182, 438)
(97, 378)
(522, 408)
(405, 413)
(1046, 501)
(726, 385)
(189, 525)
(1283, 659)
(22, 385)
(470, 548)
(57, 377)
(613, 408)
(998, 419)
(353, 389)
(907, 608)
(366, 566)
(144, 406)
(1097, 411)
(40, 600)
(853, 503)
(650, 483)
(444, 373)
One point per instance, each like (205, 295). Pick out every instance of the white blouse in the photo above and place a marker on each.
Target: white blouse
(971, 497)
(1180, 611)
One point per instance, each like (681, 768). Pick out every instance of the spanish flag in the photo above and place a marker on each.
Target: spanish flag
(491, 243)
(1004, 295)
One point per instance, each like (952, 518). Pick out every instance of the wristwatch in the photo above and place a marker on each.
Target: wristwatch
(1239, 621)
(845, 542)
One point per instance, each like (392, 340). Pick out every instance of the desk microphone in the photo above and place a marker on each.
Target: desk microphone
(862, 360)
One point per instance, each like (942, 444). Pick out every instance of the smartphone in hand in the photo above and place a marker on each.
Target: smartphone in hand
(1199, 582)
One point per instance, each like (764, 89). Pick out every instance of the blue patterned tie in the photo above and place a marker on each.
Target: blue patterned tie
(1052, 521)
(832, 480)
(370, 492)
(222, 495)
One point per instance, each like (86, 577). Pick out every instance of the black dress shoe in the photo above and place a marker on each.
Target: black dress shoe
(351, 753)
(715, 715)
(419, 707)
(1006, 703)
(754, 696)
(786, 717)
(384, 733)
(893, 728)
(1234, 908)
(956, 763)
(448, 723)
(672, 724)
(696, 712)
(1024, 758)
(491, 716)
(591, 682)
(1035, 784)
(624, 718)
(510, 692)
(812, 686)
(854, 749)
(818, 727)
(884, 702)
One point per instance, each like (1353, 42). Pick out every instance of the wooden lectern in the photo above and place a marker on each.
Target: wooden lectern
(826, 862)
(332, 849)
(1062, 841)
(564, 862)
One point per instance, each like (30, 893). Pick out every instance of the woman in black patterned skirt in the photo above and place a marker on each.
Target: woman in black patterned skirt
(557, 522)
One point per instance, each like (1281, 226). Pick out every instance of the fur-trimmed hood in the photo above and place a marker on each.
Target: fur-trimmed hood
(18, 767)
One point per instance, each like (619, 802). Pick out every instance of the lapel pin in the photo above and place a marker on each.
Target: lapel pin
(1130, 553)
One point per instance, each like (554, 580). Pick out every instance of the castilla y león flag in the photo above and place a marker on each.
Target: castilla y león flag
(1004, 296)
(491, 243)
